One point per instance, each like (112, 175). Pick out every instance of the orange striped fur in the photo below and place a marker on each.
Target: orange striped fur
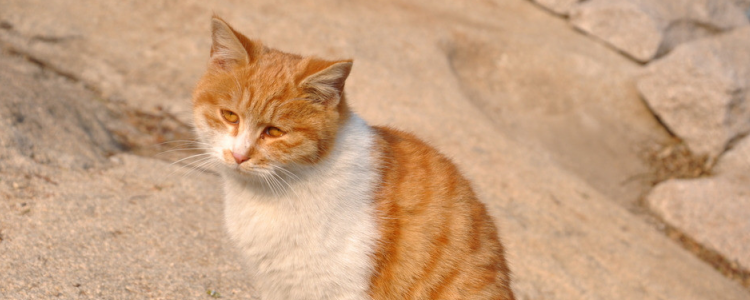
(437, 241)
(432, 238)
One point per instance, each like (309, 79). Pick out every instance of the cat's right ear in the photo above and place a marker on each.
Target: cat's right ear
(229, 49)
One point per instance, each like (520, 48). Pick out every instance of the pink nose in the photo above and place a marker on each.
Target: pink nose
(239, 158)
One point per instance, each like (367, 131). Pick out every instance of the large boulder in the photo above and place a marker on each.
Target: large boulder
(574, 101)
(42, 114)
(547, 85)
(78, 220)
(714, 211)
(700, 91)
(124, 228)
(644, 29)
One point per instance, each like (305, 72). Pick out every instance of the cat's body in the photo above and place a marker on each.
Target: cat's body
(324, 206)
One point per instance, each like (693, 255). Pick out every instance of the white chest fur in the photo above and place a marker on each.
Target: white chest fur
(316, 240)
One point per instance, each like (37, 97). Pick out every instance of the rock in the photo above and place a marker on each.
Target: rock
(561, 7)
(125, 231)
(569, 101)
(576, 115)
(76, 224)
(700, 91)
(743, 4)
(736, 161)
(644, 29)
(565, 239)
(40, 115)
(714, 211)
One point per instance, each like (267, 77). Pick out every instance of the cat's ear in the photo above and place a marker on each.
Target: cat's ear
(229, 48)
(325, 79)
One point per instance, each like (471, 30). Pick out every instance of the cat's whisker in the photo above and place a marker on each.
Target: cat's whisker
(275, 182)
(281, 188)
(289, 186)
(190, 165)
(184, 141)
(182, 149)
(197, 159)
(200, 163)
(181, 145)
(202, 166)
(280, 168)
(268, 184)
(189, 157)
(187, 144)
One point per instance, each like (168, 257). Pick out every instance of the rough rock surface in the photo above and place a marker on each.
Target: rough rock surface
(565, 238)
(561, 7)
(75, 223)
(644, 29)
(701, 91)
(564, 95)
(575, 101)
(714, 211)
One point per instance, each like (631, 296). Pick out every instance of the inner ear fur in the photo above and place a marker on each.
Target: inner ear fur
(229, 48)
(325, 79)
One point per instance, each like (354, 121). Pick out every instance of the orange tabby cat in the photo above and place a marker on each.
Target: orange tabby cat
(324, 206)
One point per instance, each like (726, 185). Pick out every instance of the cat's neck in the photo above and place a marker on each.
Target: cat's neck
(323, 220)
(349, 164)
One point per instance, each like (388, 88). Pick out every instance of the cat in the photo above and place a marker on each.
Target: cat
(323, 205)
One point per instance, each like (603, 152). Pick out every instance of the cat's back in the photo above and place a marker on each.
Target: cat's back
(436, 239)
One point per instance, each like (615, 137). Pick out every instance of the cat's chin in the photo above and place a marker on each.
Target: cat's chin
(246, 172)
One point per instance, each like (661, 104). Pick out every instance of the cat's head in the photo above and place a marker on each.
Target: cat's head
(258, 109)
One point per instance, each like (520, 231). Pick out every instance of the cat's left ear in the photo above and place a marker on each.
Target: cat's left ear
(229, 48)
(325, 79)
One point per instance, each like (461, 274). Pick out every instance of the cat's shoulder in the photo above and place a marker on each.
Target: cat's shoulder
(406, 146)
(403, 140)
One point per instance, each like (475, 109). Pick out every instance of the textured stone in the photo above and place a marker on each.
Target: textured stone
(561, 7)
(40, 114)
(571, 101)
(76, 224)
(743, 4)
(714, 211)
(643, 29)
(700, 91)
(565, 239)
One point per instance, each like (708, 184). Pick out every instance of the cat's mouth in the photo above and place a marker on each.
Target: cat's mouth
(246, 168)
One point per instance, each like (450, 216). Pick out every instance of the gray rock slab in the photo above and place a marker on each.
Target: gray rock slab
(643, 29)
(700, 91)
(565, 239)
(714, 211)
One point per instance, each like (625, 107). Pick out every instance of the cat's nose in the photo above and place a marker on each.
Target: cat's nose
(239, 158)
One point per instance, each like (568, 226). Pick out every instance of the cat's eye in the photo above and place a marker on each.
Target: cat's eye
(231, 117)
(274, 132)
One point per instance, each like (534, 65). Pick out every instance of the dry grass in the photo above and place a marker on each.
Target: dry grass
(674, 160)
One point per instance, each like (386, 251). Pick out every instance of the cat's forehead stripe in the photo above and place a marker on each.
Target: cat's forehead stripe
(245, 98)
